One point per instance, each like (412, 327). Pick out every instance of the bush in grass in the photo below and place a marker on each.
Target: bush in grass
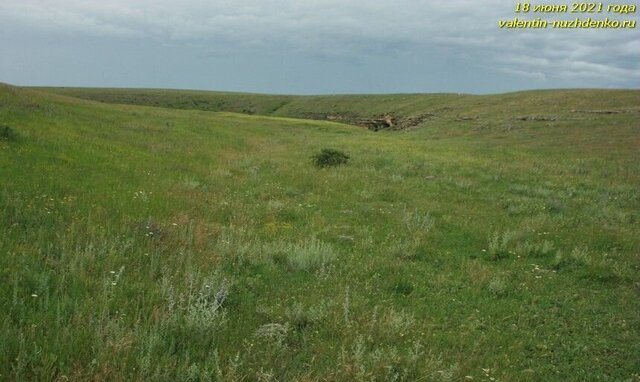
(7, 133)
(500, 244)
(330, 158)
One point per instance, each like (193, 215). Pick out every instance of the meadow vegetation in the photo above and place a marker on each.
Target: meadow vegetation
(498, 239)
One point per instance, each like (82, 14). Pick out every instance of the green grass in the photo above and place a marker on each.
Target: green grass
(142, 243)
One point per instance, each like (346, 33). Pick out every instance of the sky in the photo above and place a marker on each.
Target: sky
(309, 46)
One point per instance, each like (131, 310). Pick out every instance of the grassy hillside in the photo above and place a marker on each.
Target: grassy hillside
(409, 110)
(499, 241)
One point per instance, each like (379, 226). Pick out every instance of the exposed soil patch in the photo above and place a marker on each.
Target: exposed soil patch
(388, 121)
(393, 122)
(537, 118)
(463, 119)
(607, 111)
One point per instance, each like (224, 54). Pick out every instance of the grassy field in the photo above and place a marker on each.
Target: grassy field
(497, 240)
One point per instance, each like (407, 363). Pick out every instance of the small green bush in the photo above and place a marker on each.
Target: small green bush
(330, 158)
(7, 133)
(403, 287)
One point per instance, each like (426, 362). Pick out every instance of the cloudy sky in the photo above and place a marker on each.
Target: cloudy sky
(307, 46)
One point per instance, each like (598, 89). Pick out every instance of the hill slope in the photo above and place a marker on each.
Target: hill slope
(401, 110)
(142, 243)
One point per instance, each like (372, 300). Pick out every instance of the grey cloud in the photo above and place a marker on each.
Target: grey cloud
(352, 31)
(537, 76)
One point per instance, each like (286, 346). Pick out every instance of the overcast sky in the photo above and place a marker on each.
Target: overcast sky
(307, 46)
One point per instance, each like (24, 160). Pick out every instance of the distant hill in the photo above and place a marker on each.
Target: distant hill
(381, 111)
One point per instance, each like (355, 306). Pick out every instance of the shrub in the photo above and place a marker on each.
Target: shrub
(7, 133)
(537, 249)
(274, 333)
(416, 221)
(310, 255)
(499, 245)
(498, 287)
(330, 158)
(307, 256)
(403, 287)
